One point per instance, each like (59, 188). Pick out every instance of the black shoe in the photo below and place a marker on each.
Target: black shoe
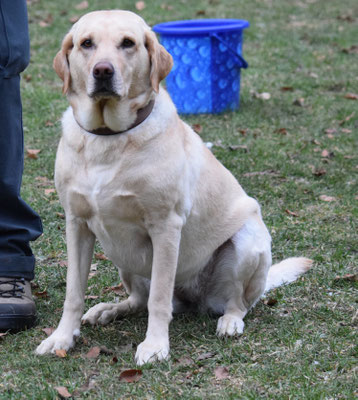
(17, 307)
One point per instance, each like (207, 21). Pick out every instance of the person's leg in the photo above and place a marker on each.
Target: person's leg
(19, 224)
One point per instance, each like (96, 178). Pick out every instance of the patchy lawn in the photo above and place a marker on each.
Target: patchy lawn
(296, 152)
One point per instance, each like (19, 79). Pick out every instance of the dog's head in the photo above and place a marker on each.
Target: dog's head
(111, 55)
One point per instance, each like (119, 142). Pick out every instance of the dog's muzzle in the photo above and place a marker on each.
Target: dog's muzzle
(103, 73)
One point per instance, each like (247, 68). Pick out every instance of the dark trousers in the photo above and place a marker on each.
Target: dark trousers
(19, 224)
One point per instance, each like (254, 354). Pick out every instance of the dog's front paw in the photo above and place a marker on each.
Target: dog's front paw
(150, 351)
(57, 341)
(230, 325)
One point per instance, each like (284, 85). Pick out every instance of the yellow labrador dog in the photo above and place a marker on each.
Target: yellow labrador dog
(130, 173)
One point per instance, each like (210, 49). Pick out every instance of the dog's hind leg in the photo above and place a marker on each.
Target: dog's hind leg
(239, 276)
(138, 289)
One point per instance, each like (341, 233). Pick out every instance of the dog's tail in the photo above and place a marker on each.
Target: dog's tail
(287, 271)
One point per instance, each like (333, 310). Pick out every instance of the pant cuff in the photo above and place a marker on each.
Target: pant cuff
(17, 267)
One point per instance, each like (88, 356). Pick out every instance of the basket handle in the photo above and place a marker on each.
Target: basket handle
(242, 62)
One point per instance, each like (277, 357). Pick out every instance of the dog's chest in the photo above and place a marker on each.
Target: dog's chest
(114, 214)
(103, 194)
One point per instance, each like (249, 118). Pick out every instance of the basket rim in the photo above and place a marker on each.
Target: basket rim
(194, 27)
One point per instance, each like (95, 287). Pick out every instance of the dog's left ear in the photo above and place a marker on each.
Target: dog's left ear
(161, 61)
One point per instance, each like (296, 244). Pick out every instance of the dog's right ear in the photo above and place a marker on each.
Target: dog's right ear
(61, 64)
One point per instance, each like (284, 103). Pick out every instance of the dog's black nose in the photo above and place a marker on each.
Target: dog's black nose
(103, 71)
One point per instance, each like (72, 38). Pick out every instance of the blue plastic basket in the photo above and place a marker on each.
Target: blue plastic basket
(207, 57)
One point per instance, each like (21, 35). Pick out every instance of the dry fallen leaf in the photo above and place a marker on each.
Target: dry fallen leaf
(347, 277)
(351, 96)
(43, 181)
(351, 50)
(330, 131)
(94, 267)
(88, 385)
(91, 297)
(299, 102)
(82, 6)
(63, 392)
(100, 256)
(130, 375)
(346, 119)
(74, 19)
(234, 147)
(93, 352)
(205, 356)
(48, 331)
(294, 214)
(327, 154)
(106, 350)
(346, 18)
(319, 172)
(271, 301)
(262, 96)
(32, 153)
(49, 191)
(40, 294)
(197, 128)
(166, 7)
(221, 373)
(116, 289)
(61, 353)
(47, 21)
(323, 197)
(281, 131)
(140, 5)
(287, 89)
(185, 361)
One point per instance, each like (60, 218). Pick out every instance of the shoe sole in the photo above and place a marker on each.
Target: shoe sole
(15, 323)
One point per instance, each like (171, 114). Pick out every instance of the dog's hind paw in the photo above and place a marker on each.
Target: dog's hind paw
(101, 313)
(230, 325)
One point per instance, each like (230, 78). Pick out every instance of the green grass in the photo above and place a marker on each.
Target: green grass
(304, 346)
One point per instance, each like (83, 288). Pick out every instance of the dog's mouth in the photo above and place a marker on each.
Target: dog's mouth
(104, 90)
(104, 94)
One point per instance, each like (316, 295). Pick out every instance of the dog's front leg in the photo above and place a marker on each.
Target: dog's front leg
(80, 243)
(165, 241)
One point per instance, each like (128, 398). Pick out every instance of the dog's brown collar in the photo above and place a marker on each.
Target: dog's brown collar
(142, 115)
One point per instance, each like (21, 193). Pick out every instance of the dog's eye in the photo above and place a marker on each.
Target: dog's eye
(127, 43)
(87, 43)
